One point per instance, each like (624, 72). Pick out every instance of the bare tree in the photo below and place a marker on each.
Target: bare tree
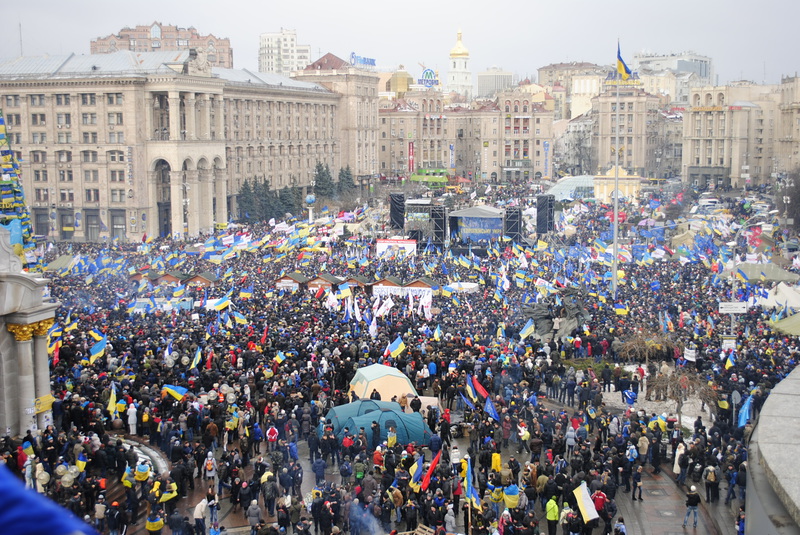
(679, 386)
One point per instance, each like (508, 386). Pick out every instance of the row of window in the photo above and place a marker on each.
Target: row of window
(89, 175)
(40, 138)
(68, 195)
(90, 156)
(63, 119)
(64, 99)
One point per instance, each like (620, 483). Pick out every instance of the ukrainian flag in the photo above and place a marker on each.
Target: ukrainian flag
(447, 291)
(416, 475)
(470, 492)
(96, 334)
(27, 447)
(397, 347)
(179, 291)
(97, 350)
(280, 357)
(246, 293)
(71, 324)
(344, 291)
(112, 401)
(176, 391)
(528, 330)
(223, 302)
(81, 462)
(196, 360)
(437, 334)
(741, 275)
(622, 68)
(239, 318)
(621, 309)
(469, 388)
(730, 362)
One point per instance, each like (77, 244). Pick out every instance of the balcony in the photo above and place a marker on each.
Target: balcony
(519, 164)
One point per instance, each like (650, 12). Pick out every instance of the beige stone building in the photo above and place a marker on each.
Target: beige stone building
(638, 127)
(358, 112)
(157, 37)
(730, 135)
(788, 152)
(119, 145)
(505, 141)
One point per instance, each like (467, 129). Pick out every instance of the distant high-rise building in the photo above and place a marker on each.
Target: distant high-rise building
(279, 53)
(494, 80)
(459, 77)
(157, 37)
(683, 62)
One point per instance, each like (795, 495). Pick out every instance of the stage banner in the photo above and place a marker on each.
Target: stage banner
(480, 228)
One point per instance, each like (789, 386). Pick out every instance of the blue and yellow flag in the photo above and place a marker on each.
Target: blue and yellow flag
(470, 492)
(176, 391)
(397, 347)
(81, 462)
(416, 475)
(97, 350)
(280, 357)
(246, 293)
(97, 334)
(527, 330)
(622, 68)
(196, 360)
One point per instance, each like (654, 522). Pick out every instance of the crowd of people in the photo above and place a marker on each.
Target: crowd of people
(231, 393)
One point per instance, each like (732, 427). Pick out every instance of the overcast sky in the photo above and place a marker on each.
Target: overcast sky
(747, 40)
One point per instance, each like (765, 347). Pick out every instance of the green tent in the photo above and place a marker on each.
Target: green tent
(339, 414)
(410, 427)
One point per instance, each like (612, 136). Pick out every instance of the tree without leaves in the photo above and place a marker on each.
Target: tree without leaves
(679, 386)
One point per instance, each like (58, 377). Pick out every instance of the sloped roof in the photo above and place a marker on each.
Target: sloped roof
(328, 62)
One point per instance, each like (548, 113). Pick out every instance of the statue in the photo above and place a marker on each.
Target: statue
(198, 63)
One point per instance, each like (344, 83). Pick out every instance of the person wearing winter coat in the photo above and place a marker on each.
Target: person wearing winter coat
(254, 517)
(450, 519)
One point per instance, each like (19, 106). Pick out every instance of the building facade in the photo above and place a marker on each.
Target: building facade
(459, 77)
(358, 112)
(730, 135)
(279, 53)
(157, 37)
(683, 62)
(505, 141)
(788, 152)
(492, 81)
(122, 145)
(636, 137)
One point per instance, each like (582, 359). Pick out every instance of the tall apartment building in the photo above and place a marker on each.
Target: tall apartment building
(459, 77)
(638, 128)
(119, 145)
(683, 62)
(492, 81)
(279, 53)
(563, 74)
(730, 135)
(358, 111)
(788, 152)
(157, 37)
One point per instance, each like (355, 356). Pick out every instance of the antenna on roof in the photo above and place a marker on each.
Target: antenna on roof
(20, 39)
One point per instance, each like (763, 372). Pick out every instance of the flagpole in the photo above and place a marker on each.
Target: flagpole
(614, 278)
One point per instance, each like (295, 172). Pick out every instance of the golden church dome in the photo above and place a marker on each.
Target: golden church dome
(459, 51)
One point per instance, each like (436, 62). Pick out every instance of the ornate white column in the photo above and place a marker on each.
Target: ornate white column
(174, 115)
(192, 195)
(176, 204)
(41, 374)
(221, 194)
(191, 116)
(205, 196)
(23, 335)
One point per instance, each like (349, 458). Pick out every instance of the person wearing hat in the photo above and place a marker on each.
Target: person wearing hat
(552, 515)
(692, 501)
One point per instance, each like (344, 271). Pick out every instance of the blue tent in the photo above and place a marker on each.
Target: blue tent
(410, 427)
(339, 414)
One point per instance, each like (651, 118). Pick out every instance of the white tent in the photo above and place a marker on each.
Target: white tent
(781, 295)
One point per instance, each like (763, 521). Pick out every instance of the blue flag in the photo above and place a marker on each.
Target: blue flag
(490, 410)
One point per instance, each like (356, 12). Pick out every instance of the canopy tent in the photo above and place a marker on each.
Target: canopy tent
(387, 380)
(780, 296)
(767, 272)
(339, 414)
(685, 238)
(790, 325)
(410, 427)
(481, 211)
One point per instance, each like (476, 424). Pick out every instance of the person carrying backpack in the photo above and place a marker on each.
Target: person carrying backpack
(345, 470)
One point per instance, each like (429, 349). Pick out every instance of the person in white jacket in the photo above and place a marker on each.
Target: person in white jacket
(132, 416)
(200, 511)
